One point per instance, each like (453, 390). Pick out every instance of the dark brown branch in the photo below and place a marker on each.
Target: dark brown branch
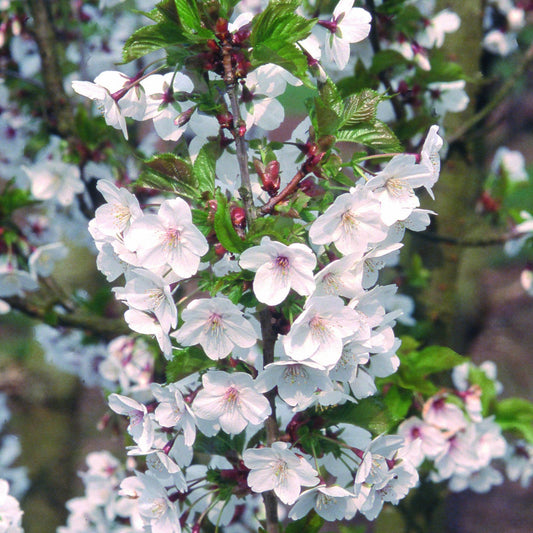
(271, 425)
(104, 328)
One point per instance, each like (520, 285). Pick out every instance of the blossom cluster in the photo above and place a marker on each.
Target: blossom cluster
(262, 294)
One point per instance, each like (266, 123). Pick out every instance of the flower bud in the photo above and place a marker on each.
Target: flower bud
(269, 175)
(221, 29)
(238, 217)
(184, 117)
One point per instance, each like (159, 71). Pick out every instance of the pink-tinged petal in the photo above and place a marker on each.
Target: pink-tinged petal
(262, 479)
(112, 80)
(232, 422)
(288, 488)
(300, 344)
(241, 332)
(90, 90)
(175, 212)
(271, 286)
(255, 409)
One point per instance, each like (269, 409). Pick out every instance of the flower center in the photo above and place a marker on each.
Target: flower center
(231, 397)
(172, 237)
(282, 262)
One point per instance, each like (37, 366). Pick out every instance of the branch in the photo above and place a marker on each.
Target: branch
(105, 328)
(468, 243)
(498, 98)
(59, 112)
(271, 424)
(397, 105)
(242, 153)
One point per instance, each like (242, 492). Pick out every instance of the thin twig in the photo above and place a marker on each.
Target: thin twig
(468, 243)
(495, 101)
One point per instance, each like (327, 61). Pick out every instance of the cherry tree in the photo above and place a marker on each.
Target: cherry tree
(271, 372)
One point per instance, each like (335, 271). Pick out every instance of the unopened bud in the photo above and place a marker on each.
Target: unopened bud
(225, 120)
(269, 174)
(219, 250)
(221, 29)
(310, 188)
(184, 117)
(238, 217)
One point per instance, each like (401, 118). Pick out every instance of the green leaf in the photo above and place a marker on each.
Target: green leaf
(205, 165)
(288, 56)
(376, 135)
(151, 38)
(311, 523)
(516, 414)
(279, 23)
(169, 172)
(185, 362)
(12, 198)
(370, 413)
(477, 376)
(434, 359)
(226, 234)
(386, 59)
(398, 402)
(190, 19)
(222, 444)
(361, 107)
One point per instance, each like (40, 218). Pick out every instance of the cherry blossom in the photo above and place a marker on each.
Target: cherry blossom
(217, 325)
(278, 269)
(318, 333)
(231, 400)
(117, 97)
(169, 237)
(279, 469)
(348, 25)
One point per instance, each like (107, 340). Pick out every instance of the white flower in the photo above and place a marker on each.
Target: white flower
(448, 96)
(511, 162)
(162, 106)
(116, 99)
(231, 400)
(348, 25)
(217, 325)
(155, 507)
(351, 222)
(340, 278)
(55, 180)
(331, 503)
(430, 157)
(14, 282)
(169, 237)
(279, 469)
(10, 513)
(500, 43)
(42, 259)
(146, 291)
(394, 187)
(140, 426)
(296, 381)
(173, 412)
(142, 322)
(121, 209)
(278, 269)
(318, 333)
(444, 22)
